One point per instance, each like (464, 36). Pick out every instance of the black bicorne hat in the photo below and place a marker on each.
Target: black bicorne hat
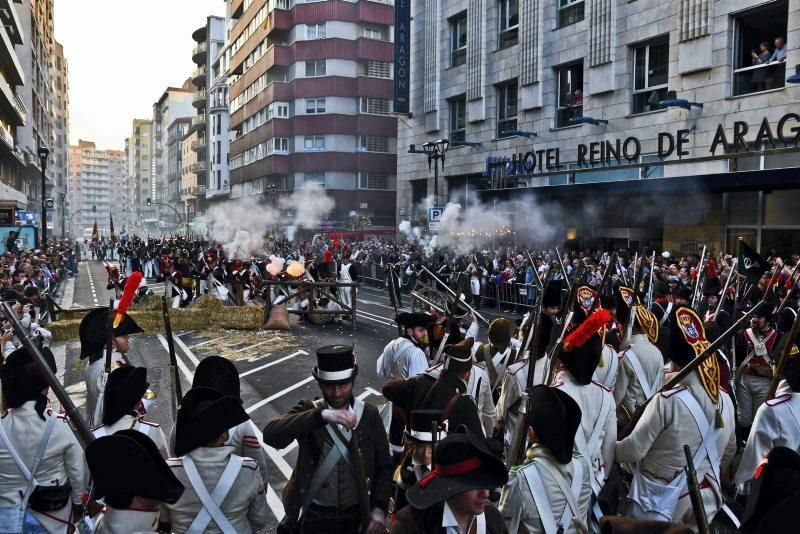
(124, 389)
(128, 462)
(464, 462)
(218, 373)
(555, 418)
(21, 379)
(421, 427)
(413, 319)
(204, 415)
(458, 357)
(93, 331)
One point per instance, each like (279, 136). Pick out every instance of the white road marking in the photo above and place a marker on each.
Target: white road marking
(384, 323)
(206, 342)
(270, 364)
(373, 303)
(185, 333)
(275, 503)
(186, 350)
(271, 398)
(182, 366)
(374, 318)
(257, 344)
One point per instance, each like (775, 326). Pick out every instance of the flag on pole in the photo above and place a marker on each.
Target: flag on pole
(751, 264)
(95, 234)
(111, 229)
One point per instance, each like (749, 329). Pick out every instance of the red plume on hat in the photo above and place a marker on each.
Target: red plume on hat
(587, 329)
(711, 268)
(327, 256)
(131, 285)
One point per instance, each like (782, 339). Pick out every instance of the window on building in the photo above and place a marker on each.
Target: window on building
(760, 48)
(570, 93)
(316, 31)
(317, 178)
(458, 117)
(315, 68)
(369, 180)
(508, 13)
(278, 145)
(378, 69)
(506, 107)
(373, 143)
(373, 33)
(375, 106)
(569, 12)
(650, 73)
(458, 40)
(314, 143)
(315, 105)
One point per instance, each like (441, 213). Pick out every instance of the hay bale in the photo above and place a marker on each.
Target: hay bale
(64, 329)
(238, 318)
(69, 315)
(151, 303)
(206, 302)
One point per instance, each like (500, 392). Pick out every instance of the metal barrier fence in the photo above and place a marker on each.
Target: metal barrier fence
(507, 297)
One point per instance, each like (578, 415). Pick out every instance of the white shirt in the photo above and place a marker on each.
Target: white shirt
(450, 524)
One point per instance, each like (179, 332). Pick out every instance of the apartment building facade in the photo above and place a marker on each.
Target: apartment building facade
(60, 150)
(311, 103)
(659, 114)
(139, 156)
(98, 187)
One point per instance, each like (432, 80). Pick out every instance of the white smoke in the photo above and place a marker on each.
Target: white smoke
(242, 225)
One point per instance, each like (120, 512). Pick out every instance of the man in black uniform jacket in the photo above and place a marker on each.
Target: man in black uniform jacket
(446, 393)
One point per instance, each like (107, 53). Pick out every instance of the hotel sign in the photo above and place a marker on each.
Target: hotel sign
(402, 54)
(609, 153)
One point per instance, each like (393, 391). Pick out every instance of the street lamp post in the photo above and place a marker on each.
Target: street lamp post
(43, 153)
(435, 150)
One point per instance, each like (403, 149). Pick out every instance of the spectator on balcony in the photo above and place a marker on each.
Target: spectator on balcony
(779, 54)
(762, 57)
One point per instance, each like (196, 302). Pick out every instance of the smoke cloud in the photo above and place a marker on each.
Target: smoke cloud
(242, 225)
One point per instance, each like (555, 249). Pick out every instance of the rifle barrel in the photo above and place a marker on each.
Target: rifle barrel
(481, 318)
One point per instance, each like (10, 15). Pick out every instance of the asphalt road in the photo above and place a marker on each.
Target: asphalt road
(275, 367)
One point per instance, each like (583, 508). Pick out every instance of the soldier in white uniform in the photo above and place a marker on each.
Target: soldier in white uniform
(132, 489)
(404, 357)
(219, 373)
(93, 333)
(35, 440)
(347, 274)
(236, 503)
(597, 436)
(641, 363)
(498, 354)
(777, 424)
(696, 413)
(551, 489)
(122, 407)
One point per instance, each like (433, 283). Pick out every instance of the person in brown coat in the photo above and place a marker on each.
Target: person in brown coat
(454, 497)
(331, 490)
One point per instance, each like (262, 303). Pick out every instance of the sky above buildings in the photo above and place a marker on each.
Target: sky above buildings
(122, 56)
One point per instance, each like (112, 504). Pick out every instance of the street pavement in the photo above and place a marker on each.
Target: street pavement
(275, 367)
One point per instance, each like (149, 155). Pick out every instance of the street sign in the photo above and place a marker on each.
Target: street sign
(435, 219)
(26, 216)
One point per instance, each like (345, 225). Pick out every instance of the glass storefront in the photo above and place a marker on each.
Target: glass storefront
(766, 220)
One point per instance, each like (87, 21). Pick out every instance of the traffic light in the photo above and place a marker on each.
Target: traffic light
(149, 202)
(49, 203)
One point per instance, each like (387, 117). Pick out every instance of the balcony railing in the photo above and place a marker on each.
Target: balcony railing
(199, 145)
(199, 99)
(199, 167)
(199, 53)
(199, 76)
(199, 122)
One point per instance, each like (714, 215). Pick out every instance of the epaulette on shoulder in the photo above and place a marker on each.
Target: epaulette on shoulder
(602, 386)
(520, 467)
(249, 463)
(146, 422)
(670, 392)
(779, 400)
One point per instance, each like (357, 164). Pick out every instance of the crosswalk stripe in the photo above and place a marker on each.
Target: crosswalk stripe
(270, 364)
(271, 398)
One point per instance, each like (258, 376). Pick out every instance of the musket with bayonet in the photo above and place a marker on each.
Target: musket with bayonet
(786, 353)
(76, 420)
(652, 279)
(98, 410)
(694, 493)
(481, 319)
(563, 270)
(394, 296)
(725, 289)
(177, 397)
(461, 281)
(516, 451)
(565, 313)
(699, 279)
(709, 351)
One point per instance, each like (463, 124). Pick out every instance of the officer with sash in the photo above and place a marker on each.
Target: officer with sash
(342, 480)
(223, 491)
(696, 413)
(551, 491)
